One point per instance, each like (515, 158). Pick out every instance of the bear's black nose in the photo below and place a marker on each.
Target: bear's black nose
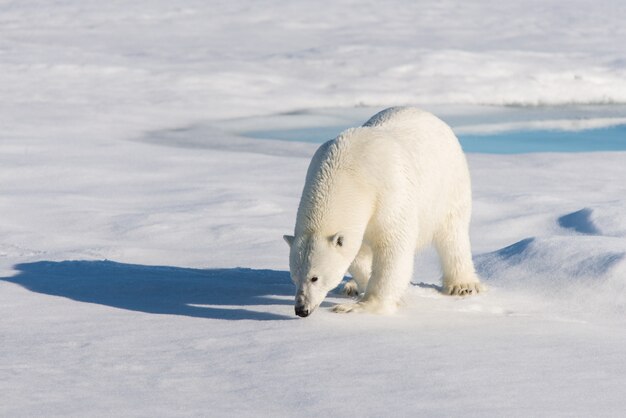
(300, 311)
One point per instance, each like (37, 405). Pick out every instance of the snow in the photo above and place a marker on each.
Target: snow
(142, 269)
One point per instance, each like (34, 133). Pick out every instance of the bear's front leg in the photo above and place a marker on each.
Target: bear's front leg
(361, 270)
(392, 269)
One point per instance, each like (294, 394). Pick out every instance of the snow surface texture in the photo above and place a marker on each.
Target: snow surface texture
(91, 91)
(99, 62)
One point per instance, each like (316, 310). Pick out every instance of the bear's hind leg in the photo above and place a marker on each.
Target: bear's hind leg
(453, 246)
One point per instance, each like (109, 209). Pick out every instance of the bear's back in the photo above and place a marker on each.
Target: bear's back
(399, 115)
(418, 132)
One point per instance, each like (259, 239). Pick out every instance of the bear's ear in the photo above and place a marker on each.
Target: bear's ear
(288, 239)
(338, 240)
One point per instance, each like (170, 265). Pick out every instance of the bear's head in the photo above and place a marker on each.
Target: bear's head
(318, 264)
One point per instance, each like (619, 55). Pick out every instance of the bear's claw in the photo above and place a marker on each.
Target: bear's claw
(464, 289)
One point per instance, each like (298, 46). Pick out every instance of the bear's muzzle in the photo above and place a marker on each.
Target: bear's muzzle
(301, 311)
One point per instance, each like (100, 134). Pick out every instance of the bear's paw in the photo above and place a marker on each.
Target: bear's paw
(366, 306)
(346, 307)
(464, 289)
(350, 289)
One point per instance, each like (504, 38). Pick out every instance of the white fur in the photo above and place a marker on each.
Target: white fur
(373, 197)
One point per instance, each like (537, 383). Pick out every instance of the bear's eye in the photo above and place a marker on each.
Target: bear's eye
(314, 279)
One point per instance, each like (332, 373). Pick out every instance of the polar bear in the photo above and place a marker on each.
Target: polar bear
(373, 196)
